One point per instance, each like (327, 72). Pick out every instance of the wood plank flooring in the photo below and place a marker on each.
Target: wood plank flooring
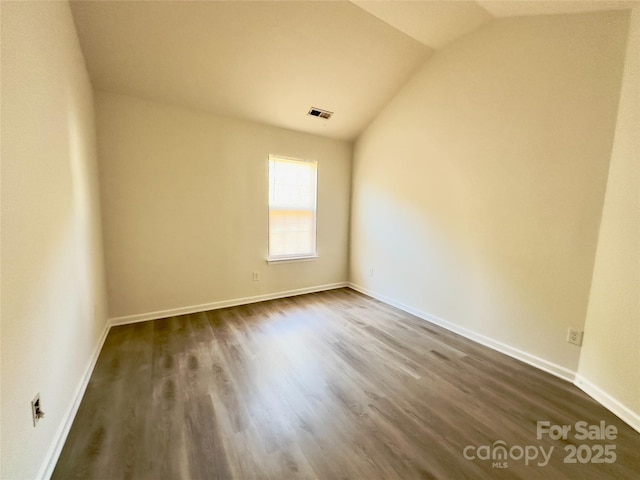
(332, 385)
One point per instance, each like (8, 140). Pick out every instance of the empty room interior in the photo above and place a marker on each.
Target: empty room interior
(320, 239)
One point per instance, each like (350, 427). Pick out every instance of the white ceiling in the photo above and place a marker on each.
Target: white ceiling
(433, 23)
(262, 61)
(270, 61)
(516, 8)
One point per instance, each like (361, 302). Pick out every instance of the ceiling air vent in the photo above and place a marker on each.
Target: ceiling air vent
(316, 112)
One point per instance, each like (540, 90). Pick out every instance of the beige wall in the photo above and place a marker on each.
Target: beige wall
(53, 302)
(478, 191)
(184, 197)
(477, 196)
(610, 358)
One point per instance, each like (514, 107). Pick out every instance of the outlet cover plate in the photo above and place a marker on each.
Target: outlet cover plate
(36, 409)
(574, 336)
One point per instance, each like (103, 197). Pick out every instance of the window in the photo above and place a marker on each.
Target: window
(292, 208)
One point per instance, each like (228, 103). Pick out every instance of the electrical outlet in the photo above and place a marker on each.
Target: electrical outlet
(256, 276)
(371, 272)
(36, 409)
(575, 336)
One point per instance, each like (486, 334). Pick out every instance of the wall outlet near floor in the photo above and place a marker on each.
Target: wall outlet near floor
(256, 276)
(370, 272)
(36, 409)
(575, 336)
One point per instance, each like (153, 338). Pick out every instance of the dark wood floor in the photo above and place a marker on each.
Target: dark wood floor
(332, 385)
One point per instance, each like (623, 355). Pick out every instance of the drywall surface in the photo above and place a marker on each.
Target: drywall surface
(610, 357)
(477, 192)
(53, 294)
(185, 207)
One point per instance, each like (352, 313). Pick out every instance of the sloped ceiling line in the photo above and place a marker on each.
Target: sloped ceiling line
(269, 62)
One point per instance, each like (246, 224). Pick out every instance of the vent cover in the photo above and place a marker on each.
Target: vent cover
(317, 112)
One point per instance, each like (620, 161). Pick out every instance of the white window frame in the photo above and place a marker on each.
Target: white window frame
(294, 257)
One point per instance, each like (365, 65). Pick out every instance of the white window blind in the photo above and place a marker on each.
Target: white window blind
(292, 208)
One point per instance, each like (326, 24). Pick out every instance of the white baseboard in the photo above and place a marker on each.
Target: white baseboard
(609, 402)
(540, 363)
(172, 312)
(51, 458)
(53, 454)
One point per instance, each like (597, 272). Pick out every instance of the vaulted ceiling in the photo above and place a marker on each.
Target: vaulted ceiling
(271, 61)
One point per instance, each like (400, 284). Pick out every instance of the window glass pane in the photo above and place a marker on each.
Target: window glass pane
(292, 207)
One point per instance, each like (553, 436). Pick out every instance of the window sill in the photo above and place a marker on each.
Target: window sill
(306, 258)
